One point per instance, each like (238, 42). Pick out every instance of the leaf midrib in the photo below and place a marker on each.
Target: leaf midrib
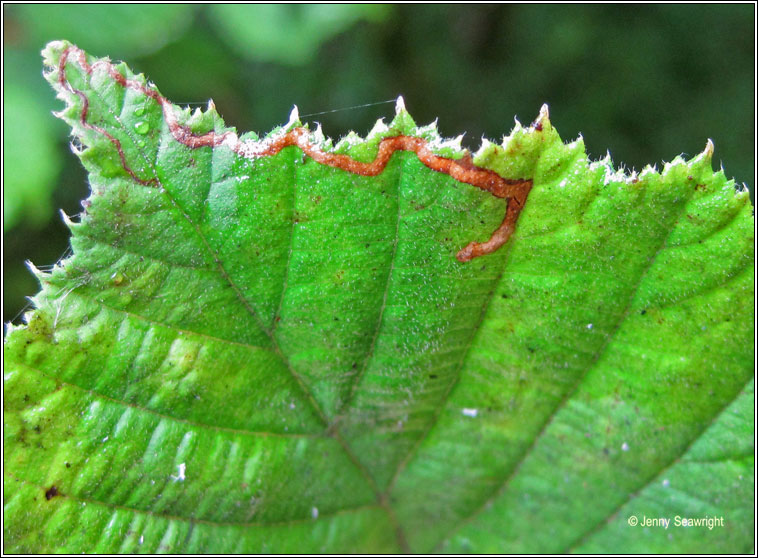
(382, 498)
(383, 502)
(219, 264)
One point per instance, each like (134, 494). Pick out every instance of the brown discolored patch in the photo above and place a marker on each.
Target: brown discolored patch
(51, 492)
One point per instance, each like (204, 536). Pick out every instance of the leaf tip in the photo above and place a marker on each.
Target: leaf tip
(52, 52)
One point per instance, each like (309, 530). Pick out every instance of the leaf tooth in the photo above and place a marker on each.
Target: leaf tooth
(347, 141)
(741, 189)
(182, 114)
(51, 54)
(37, 272)
(318, 136)
(671, 165)
(403, 122)
(543, 118)
(485, 145)
(438, 144)
(62, 113)
(578, 143)
(294, 119)
(612, 174)
(708, 151)
(400, 105)
(648, 170)
(706, 156)
(702, 162)
(67, 220)
(76, 146)
(430, 131)
(380, 128)
(517, 128)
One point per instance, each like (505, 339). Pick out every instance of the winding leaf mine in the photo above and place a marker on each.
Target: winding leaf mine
(268, 344)
(462, 169)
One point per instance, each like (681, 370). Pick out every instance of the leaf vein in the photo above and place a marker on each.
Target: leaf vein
(456, 376)
(579, 380)
(164, 416)
(674, 461)
(380, 319)
(189, 332)
(209, 522)
(219, 264)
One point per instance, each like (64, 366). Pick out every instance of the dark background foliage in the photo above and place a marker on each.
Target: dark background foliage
(646, 83)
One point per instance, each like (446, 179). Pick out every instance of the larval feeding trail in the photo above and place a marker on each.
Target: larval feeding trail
(463, 170)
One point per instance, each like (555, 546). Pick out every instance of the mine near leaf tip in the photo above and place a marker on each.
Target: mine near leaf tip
(405, 134)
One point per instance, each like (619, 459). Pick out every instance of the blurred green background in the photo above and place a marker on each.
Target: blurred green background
(643, 82)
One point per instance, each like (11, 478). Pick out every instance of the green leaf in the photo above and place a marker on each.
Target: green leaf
(259, 346)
